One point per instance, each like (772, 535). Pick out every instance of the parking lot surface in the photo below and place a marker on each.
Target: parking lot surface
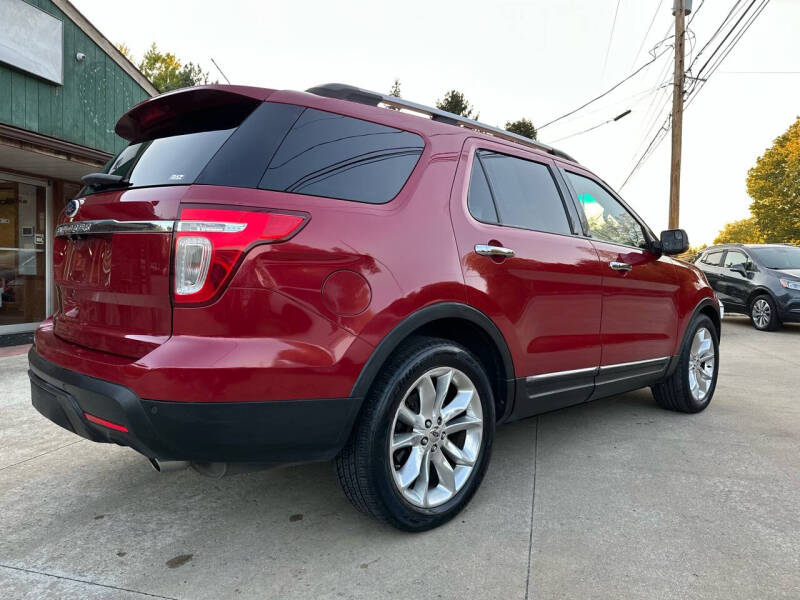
(611, 499)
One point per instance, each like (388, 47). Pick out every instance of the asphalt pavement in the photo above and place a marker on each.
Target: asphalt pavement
(611, 499)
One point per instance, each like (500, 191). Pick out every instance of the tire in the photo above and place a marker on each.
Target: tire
(691, 386)
(764, 313)
(372, 475)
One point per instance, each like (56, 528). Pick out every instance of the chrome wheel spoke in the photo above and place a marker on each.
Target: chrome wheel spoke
(458, 455)
(462, 423)
(407, 416)
(442, 386)
(422, 485)
(403, 440)
(412, 468)
(457, 405)
(447, 477)
(702, 358)
(427, 397)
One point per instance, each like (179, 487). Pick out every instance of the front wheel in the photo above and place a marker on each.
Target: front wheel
(690, 387)
(422, 444)
(764, 314)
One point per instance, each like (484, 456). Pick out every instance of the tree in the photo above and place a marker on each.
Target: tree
(522, 127)
(774, 185)
(744, 231)
(166, 71)
(395, 90)
(455, 102)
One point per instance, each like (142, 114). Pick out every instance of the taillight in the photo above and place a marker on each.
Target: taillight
(210, 242)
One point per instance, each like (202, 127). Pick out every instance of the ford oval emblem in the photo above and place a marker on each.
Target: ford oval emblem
(71, 209)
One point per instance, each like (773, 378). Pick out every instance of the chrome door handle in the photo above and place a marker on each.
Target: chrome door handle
(620, 266)
(486, 250)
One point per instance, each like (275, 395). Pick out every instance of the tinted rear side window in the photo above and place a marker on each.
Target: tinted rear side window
(713, 258)
(525, 194)
(325, 154)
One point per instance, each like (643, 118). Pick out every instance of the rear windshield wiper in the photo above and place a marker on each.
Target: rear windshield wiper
(101, 180)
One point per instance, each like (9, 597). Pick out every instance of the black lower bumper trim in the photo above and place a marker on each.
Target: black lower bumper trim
(261, 432)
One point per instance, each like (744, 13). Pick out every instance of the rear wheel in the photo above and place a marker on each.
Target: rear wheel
(763, 313)
(422, 444)
(690, 387)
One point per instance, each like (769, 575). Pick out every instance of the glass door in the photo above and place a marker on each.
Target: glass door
(23, 235)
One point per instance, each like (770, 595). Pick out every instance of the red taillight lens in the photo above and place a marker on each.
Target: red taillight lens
(104, 423)
(209, 243)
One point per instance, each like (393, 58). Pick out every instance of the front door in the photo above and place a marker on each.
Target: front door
(640, 319)
(22, 255)
(525, 268)
(736, 286)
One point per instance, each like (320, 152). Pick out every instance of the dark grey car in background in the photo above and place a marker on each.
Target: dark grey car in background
(760, 280)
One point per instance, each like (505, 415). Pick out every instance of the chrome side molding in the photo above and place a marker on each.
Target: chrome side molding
(105, 226)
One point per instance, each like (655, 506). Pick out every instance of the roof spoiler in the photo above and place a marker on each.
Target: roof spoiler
(188, 110)
(343, 91)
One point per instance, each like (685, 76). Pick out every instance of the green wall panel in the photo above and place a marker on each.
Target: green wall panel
(96, 92)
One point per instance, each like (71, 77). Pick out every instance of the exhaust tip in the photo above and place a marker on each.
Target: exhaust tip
(163, 466)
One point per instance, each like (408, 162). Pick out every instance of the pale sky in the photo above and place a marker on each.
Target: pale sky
(535, 59)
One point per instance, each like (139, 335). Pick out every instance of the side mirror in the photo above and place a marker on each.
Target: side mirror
(740, 269)
(674, 241)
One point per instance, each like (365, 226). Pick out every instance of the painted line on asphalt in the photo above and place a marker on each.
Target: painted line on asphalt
(39, 455)
(533, 501)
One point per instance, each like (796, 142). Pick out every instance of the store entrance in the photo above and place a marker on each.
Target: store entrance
(23, 234)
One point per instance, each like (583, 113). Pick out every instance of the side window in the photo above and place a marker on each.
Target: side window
(480, 203)
(608, 219)
(524, 193)
(713, 258)
(326, 154)
(734, 257)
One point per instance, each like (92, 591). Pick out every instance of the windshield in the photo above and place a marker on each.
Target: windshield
(172, 160)
(778, 257)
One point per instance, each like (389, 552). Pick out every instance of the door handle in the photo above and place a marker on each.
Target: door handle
(486, 250)
(620, 266)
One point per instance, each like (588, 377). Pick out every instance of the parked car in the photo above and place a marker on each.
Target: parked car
(272, 277)
(759, 280)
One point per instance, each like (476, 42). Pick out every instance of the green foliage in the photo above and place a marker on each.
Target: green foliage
(744, 231)
(166, 71)
(691, 254)
(522, 127)
(395, 90)
(774, 185)
(456, 103)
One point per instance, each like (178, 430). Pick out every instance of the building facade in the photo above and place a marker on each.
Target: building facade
(63, 86)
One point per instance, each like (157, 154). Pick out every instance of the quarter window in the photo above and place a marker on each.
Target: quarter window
(524, 193)
(608, 219)
(480, 202)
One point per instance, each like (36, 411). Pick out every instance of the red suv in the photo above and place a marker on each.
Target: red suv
(269, 276)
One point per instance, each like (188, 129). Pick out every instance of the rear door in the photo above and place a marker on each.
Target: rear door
(526, 268)
(640, 318)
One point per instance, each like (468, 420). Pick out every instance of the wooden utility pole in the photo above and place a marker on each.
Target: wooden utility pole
(679, 10)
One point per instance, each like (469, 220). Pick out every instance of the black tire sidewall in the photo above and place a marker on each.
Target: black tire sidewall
(443, 354)
(700, 321)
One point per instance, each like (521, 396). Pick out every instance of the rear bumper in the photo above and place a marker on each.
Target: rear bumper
(278, 431)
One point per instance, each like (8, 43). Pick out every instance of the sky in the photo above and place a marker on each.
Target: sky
(529, 58)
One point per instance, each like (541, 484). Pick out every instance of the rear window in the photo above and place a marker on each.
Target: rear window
(326, 154)
(713, 258)
(171, 160)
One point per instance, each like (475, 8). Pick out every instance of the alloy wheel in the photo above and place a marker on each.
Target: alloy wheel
(761, 313)
(435, 439)
(702, 357)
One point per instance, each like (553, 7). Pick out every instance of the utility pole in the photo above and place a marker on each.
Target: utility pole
(680, 9)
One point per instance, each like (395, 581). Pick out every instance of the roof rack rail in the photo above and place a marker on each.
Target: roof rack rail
(343, 91)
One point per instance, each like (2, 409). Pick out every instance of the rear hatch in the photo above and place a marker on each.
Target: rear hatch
(112, 257)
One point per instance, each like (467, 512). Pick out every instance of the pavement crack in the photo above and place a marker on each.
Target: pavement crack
(75, 579)
(533, 501)
(39, 455)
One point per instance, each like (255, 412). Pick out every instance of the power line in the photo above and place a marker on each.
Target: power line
(608, 91)
(646, 33)
(610, 38)
(611, 120)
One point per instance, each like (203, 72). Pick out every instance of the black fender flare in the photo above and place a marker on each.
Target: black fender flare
(705, 302)
(429, 314)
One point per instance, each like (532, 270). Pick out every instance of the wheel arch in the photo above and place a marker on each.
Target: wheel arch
(708, 307)
(457, 322)
(759, 291)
